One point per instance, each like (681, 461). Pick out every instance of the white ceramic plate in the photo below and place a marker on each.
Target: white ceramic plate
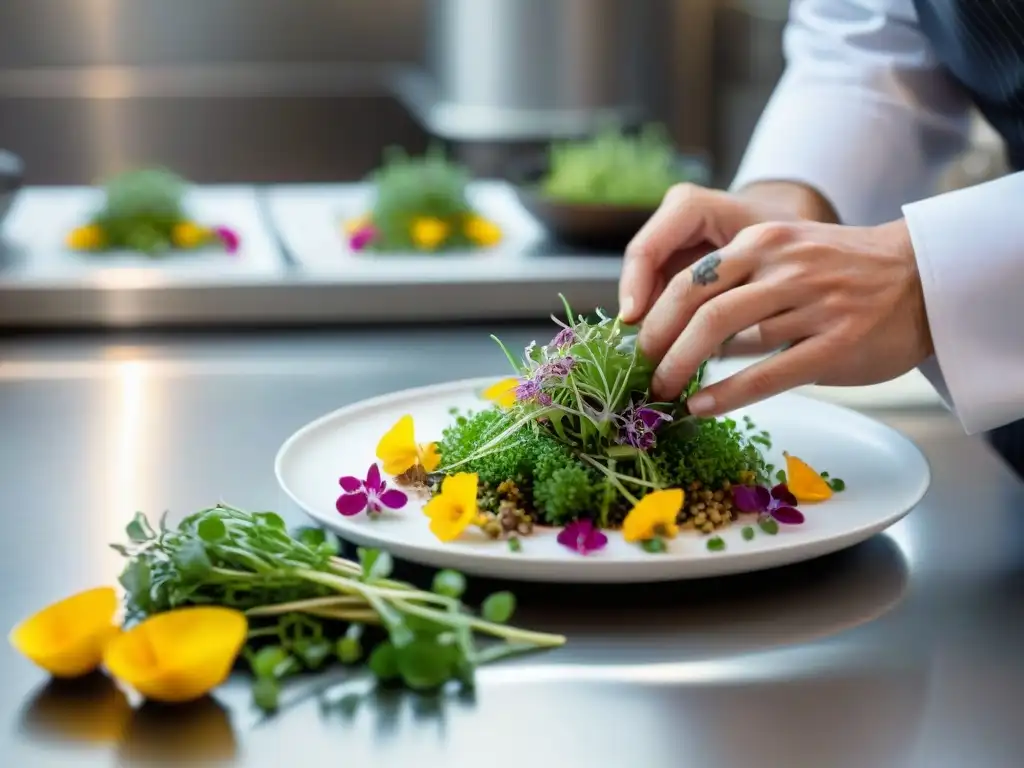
(886, 476)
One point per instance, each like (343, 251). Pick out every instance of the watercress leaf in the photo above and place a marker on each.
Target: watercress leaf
(211, 529)
(425, 665)
(383, 662)
(267, 661)
(313, 652)
(449, 583)
(310, 536)
(400, 633)
(121, 549)
(499, 607)
(768, 525)
(348, 650)
(265, 693)
(748, 533)
(136, 580)
(270, 519)
(716, 544)
(139, 530)
(191, 560)
(837, 484)
(382, 567)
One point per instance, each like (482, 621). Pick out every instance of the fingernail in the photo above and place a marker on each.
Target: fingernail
(701, 404)
(626, 307)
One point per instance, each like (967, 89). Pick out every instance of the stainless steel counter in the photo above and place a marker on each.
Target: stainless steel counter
(905, 651)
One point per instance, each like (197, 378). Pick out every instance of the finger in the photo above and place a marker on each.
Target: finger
(685, 292)
(679, 261)
(678, 223)
(797, 366)
(711, 325)
(772, 334)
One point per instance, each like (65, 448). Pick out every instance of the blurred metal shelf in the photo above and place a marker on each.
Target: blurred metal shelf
(296, 270)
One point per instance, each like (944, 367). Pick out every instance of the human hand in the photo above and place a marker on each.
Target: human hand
(693, 221)
(845, 303)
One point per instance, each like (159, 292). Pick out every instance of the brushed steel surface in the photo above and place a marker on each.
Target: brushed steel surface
(903, 652)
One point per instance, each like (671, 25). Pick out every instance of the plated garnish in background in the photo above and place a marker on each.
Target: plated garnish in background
(144, 211)
(420, 206)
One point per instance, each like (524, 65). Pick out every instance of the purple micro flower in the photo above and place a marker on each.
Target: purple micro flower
(581, 536)
(558, 368)
(639, 425)
(530, 390)
(777, 503)
(563, 338)
(371, 494)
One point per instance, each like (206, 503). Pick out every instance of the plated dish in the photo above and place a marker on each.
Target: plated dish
(143, 211)
(421, 205)
(568, 470)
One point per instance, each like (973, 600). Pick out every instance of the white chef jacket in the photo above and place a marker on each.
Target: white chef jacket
(865, 114)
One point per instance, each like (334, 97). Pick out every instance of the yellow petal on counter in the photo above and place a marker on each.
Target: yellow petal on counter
(88, 238)
(180, 655)
(654, 515)
(428, 233)
(805, 482)
(189, 235)
(68, 638)
(503, 393)
(483, 232)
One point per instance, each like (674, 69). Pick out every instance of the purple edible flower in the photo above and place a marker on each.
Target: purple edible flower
(563, 338)
(371, 494)
(558, 368)
(777, 503)
(361, 238)
(581, 536)
(530, 390)
(229, 238)
(639, 425)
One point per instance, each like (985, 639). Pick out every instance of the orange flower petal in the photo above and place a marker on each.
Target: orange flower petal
(68, 638)
(804, 482)
(180, 655)
(655, 513)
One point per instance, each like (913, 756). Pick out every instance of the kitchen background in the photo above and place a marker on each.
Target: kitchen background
(307, 90)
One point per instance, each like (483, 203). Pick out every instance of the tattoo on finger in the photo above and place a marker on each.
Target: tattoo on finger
(705, 271)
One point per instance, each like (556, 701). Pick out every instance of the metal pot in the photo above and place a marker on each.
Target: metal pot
(528, 69)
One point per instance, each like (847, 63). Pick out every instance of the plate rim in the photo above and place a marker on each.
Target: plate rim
(594, 570)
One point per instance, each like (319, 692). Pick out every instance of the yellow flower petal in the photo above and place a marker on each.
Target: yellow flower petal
(429, 457)
(397, 449)
(655, 514)
(68, 638)
(805, 482)
(503, 393)
(180, 655)
(88, 238)
(483, 232)
(189, 235)
(429, 232)
(455, 508)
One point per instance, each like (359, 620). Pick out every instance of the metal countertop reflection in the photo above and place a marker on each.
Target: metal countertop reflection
(902, 652)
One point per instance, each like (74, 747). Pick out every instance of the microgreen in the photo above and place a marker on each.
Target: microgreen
(748, 533)
(716, 544)
(306, 604)
(583, 433)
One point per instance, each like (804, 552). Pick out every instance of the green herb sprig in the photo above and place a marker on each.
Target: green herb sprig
(141, 209)
(309, 607)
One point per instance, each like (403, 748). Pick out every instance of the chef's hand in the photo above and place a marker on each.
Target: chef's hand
(843, 303)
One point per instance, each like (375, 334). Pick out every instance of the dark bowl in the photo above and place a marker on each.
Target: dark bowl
(11, 174)
(587, 225)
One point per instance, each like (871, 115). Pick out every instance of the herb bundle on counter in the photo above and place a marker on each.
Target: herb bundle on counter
(308, 607)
